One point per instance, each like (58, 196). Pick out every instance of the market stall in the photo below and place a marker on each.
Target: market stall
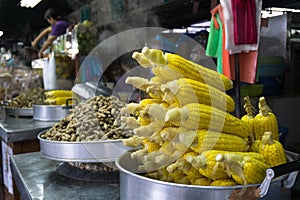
(160, 123)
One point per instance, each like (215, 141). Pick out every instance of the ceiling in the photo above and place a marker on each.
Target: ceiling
(17, 22)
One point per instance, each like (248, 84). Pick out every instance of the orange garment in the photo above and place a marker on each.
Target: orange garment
(247, 64)
(226, 69)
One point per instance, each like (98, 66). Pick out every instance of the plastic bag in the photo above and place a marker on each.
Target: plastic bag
(49, 74)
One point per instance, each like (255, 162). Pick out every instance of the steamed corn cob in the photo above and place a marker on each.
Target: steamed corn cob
(272, 150)
(207, 165)
(160, 174)
(203, 181)
(200, 116)
(58, 93)
(152, 88)
(150, 146)
(181, 164)
(186, 91)
(249, 117)
(224, 182)
(244, 169)
(61, 101)
(168, 152)
(135, 108)
(171, 67)
(265, 120)
(255, 146)
(208, 140)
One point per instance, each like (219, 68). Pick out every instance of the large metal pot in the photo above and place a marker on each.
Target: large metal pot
(52, 112)
(138, 187)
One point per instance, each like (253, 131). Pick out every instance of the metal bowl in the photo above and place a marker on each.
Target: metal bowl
(21, 112)
(89, 152)
(151, 189)
(49, 112)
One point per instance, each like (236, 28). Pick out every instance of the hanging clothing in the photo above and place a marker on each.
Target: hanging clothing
(216, 41)
(247, 64)
(247, 53)
(229, 28)
(244, 21)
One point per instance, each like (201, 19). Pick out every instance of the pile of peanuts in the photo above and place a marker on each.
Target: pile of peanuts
(98, 118)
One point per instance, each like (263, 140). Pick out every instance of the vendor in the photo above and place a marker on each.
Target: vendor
(57, 27)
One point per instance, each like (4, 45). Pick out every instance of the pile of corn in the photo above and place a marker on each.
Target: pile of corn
(186, 132)
(60, 97)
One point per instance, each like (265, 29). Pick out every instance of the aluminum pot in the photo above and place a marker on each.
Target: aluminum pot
(52, 112)
(84, 151)
(138, 187)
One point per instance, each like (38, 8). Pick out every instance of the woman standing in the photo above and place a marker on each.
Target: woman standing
(58, 26)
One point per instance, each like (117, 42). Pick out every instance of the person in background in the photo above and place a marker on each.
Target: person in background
(58, 26)
(14, 61)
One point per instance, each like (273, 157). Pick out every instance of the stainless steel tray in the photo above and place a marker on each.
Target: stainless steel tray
(22, 112)
(151, 189)
(93, 152)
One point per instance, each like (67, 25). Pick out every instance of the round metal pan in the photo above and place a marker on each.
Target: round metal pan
(52, 112)
(21, 112)
(150, 189)
(49, 112)
(95, 151)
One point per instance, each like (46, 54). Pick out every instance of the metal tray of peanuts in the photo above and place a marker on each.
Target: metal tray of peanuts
(87, 151)
(92, 132)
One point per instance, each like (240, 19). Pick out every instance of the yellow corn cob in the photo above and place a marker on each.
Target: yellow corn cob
(200, 116)
(208, 140)
(203, 181)
(224, 182)
(58, 93)
(145, 102)
(249, 117)
(171, 67)
(142, 59)
(207, 165)
(160, 174)
(157, 114)
(150, 146)
(181, 164)
(255, 146)
(61, 101)
(272, 150)
(180, 177)
(133, 141)
(186, 91)
(149, 129)
(144, 84)
(212, 164)
(243, 169)
(254, 172)
(156, 79)
(265, 120)
(168, 152)
(144, 120)
(135, 108)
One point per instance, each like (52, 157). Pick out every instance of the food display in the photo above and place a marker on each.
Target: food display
(22, 105)
(87, 36)
(65, 67)
(98, 118)
(91, 133)
(186, 132)
(60, 97)
(28, 98)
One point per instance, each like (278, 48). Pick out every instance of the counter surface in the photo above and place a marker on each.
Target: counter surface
(14, 129)
(36, 178)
